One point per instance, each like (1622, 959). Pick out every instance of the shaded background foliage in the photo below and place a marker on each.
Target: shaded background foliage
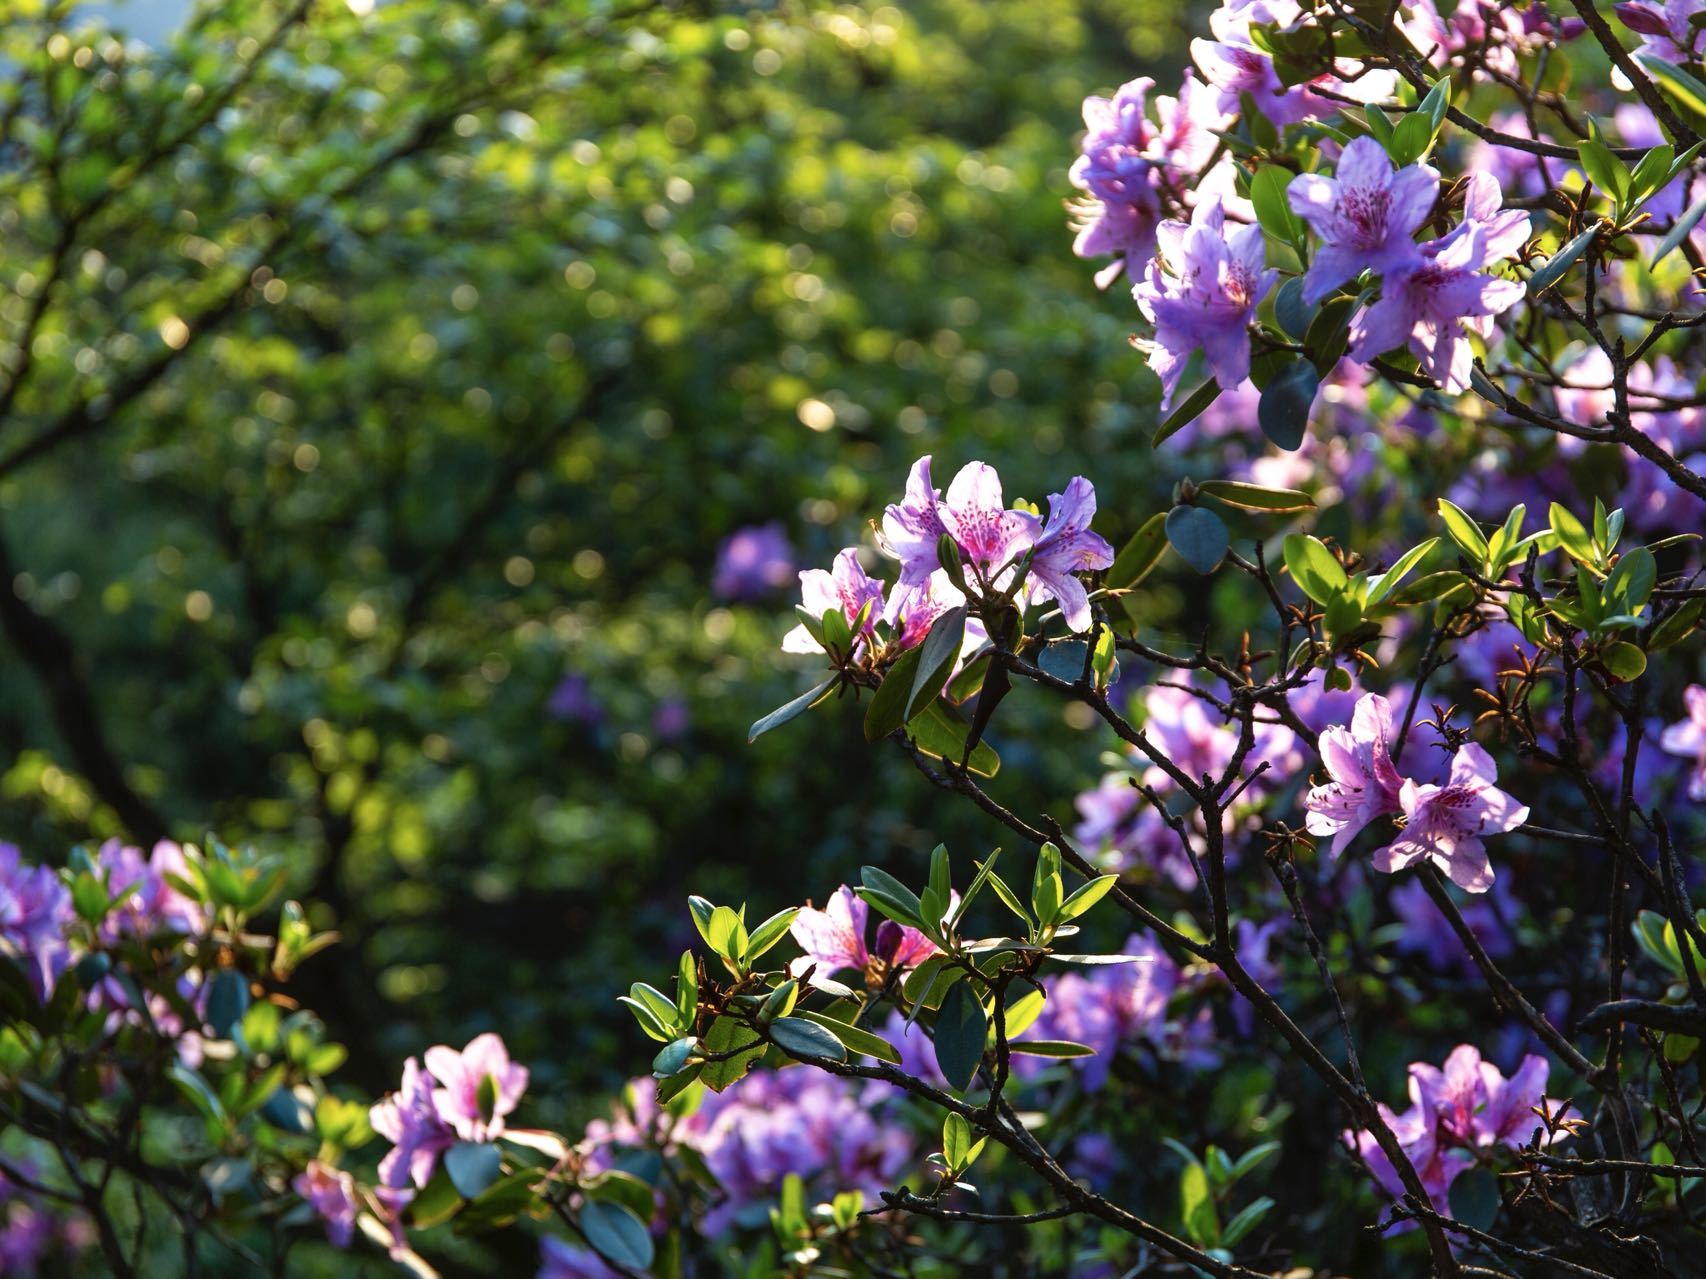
(366, 383)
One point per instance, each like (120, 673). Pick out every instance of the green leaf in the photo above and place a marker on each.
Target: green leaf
(673, 1057)
(1291, 311)
(1475, 1198)
(887, 709)
(770, 932)
(1382, 586)
(1199, 536)
(616, 1234)
(1572, 535)
(1684, 89)
(1312, 566)
(961, 1029)
(1679, 230)
(1631, 583)
(1021, 1013)
(1624, 660)
(879, 881)
(1561, 261)
(855, 1038)
(1604, 169)
(807, 1038)
(727, 1035)
(956, 1139)
(1283, 410)
(1464, 531)
(1273, 210)
(1196, 1203)
(1254, 497)
(1652, 172)
(1247, 1220)
(782, 714)
(1677, 627)
(198, 1090)
(1188, 412)
(618, 1187)
(937, 655)
(1086, 896)
(1253, 1158)
(1140, 554)
(472, 1166)
(938, 733)
(1061, 1048)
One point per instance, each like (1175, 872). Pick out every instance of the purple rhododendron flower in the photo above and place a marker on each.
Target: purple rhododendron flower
(410, 1121)
(1670, 30)
(1121, 209)
(1474, 1104)
(1688, 738)
(1468, 1105)
(154, 904)
(913, 527)
(478, 1086)
(1365, 783)
(912, 610)
(1206, 303)
(1105, 1008)
(1431, 307)
(834, 940)
(753, 562)
(1179, 723)
(1366, 215)
(848, 588)
(1124, 828)
(1444, 824)
(989, 535)
(331, 1193)
(1067, 547)
(35, 908)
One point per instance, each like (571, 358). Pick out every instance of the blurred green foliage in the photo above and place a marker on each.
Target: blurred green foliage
(364, 376)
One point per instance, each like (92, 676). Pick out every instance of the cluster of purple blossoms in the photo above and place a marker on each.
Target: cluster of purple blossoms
(1120, 824)
(1130, 166)
(32, 1233)
(36, 914)
(1111, 1006)
(1200, 293)
(1443, 823)
(331, 1193)
(1236, 67)
(459, 1096)
(1001, 550)
(35, 908)
(836, 1134)
(833, 940)
(1467, 1106)
(1687, 738)
(1433, 294)
(753, 562)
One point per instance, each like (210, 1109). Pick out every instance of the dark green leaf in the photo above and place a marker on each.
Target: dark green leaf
(782, 714)
(472, 1166)
(1254, 497)
(808, 1038)
(1140, 554)
(1283, 410)
(1199, 536)
(616, 1234)
(1188, 412)
(937, 655)
(962, 1026)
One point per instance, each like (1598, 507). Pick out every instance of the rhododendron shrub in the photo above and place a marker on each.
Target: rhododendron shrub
(1416, 811)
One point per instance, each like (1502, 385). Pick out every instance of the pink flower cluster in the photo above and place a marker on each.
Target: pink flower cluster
(1001, 550)
(460, 1096)
(1467, 1106)
(1442, 823)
